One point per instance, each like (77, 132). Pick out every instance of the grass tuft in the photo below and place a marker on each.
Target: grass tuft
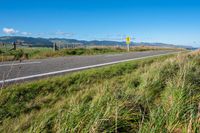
(159, 94)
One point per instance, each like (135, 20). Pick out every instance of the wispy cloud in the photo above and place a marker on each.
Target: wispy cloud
(67, 34)
(12, 31)
(112, 37)
(26, 33)
(9, 31)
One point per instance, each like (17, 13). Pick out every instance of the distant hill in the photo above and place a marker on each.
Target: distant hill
(35, 42)
(48, 42)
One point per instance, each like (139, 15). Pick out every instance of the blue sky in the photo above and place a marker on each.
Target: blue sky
(167, 21)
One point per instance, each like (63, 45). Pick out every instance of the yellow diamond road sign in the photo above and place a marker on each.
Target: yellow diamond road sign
(128, 40)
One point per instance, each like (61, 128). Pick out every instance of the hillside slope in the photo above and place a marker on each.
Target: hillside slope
(48, 42)
(159, 94)
(35, 42)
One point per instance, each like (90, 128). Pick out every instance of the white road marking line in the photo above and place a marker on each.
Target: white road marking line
(15, 64)
(79, 68)
(113, 55)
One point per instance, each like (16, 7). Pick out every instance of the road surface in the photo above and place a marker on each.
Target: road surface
(11, 72)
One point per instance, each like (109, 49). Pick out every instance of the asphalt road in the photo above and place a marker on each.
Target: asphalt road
(11, 72)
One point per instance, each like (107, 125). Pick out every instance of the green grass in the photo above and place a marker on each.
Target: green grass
(38, 53)
(151, 95)
(76, 51)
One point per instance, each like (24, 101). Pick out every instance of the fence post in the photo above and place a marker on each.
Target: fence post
(14, 46)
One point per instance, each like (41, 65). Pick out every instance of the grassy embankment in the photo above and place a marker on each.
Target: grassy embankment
(155, 95)
(38, 53)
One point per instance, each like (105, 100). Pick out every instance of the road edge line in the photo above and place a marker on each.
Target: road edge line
(79, 68)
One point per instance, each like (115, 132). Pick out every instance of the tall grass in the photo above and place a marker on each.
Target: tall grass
(152, 95)
(38, 53)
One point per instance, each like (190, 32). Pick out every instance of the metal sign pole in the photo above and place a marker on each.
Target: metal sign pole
(128, 47)
(128, 41)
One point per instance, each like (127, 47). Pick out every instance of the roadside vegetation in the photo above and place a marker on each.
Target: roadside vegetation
(38, 53)
(159, 94)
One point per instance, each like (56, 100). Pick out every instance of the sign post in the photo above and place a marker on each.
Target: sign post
(128, 41)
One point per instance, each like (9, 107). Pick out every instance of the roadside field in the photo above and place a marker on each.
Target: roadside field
(24, 53)
(159, 94)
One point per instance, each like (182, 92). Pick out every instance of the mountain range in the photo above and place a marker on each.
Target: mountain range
(48, 42)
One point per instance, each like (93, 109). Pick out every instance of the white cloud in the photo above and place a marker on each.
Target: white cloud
(69, 34)
(9, 31)
(39, 34)
(60, 33)
(26, 33)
